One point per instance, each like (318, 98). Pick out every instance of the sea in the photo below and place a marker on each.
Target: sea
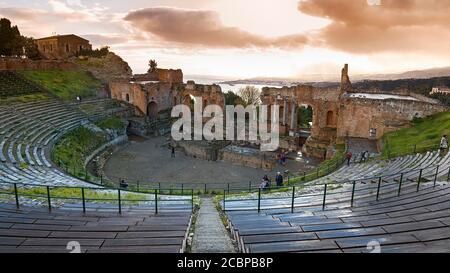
(226, 87)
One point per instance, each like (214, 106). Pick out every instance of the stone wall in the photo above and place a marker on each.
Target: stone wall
(196, 149)
(253, 159)
(358, 116)
(27, 64)
(170, 75)
(161, 75)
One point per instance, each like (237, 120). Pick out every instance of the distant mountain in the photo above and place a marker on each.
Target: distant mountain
(415, 74)
(315, 79)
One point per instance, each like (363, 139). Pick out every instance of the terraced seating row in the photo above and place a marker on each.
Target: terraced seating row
(391, 168)
(97, 108)
(27, 133)
(34, 230)
(370, 178)
(417, 221)
(12, 84)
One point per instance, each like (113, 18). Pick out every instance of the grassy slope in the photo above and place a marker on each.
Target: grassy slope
(113, 123)
(425, 133)
(74, 147)
(66, 85)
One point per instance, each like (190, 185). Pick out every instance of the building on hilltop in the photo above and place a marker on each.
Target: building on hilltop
(61, 47)
(440, 90)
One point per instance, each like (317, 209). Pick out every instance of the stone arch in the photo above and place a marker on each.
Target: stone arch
(152, 110)
(304, 113)
(127, 97)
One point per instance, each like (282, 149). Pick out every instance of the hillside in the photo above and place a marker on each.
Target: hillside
(423, 135)
(66, 85)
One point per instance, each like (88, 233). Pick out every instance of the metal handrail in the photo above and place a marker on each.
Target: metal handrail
(83, 199)
(401, 182)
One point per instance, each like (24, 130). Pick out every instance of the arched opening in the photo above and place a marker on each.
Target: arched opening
(330, 119)
(304, 117)
(127, 97)
(152, 110)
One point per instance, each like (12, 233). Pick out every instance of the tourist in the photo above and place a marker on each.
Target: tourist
(348, 156)
(279, 180)
(444, 145)
(265, 183)
(173, 152)
(366, 156)
(123, 184)
(283, 158)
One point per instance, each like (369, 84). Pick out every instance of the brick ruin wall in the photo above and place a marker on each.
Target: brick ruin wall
(27, 64)
(357, 116)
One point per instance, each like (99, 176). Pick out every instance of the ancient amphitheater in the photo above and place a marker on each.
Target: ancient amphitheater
(402, 203)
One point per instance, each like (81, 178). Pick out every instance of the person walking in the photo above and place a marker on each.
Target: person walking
(348, 156)
(279, 179)
(443, 147)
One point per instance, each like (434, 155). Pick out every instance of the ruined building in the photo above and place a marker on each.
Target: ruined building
(343, 113)
(159, 92)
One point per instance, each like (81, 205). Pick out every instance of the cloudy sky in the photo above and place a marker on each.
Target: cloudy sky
(252, 38)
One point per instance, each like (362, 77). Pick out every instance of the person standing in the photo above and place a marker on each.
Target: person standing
(279, 180)
(173, 152)
(348, 156)
(444, 145)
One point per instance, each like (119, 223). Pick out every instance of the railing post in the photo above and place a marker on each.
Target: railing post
(156, 201)
(182, 188)
(101, 179)
(378, 188)
(120, 201)
(84, 200)
(324, 197)
(353, 193)
(249, 186)
(16, 195)
(293, 200)
(420, 180)
(205, 189)
(192, 200)
(48, 199)
(400, 185)
(138, 186)
(448, 176)
(435, 176)
(259, 200)
(228, 187)
(224, 200)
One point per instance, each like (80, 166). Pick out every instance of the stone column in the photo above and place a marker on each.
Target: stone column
(284, 112)
(293, 116)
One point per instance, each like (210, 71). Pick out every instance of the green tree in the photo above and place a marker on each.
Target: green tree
(153, 66)
(31, 48)
(232, 98)
(11, 42)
